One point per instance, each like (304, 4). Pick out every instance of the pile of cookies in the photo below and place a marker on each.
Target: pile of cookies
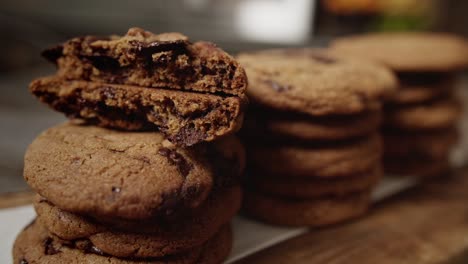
(147, 171)
(312, 133)
(420, 120)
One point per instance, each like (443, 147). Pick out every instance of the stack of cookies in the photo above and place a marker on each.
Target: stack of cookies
(313, 147)
(147, 171)
(420, 120)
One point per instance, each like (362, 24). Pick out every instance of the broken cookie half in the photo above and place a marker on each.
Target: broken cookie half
(191, 92)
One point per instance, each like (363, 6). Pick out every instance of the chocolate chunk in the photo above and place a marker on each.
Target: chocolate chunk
(207, 70)
(53, 54)
(103, 63)
(49, 248)
(147, 49)
(187, 136)
(175, 158)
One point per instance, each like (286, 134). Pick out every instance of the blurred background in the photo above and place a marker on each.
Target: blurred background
(29, 26)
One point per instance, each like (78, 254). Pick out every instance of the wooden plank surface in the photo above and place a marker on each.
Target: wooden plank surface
(427, 224)
(8, 200)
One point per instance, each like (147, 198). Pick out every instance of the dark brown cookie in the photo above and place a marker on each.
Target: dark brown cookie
(261, 124)
(316, 187)
(426, 145)
(310, 212)
(148, 239)
(184, 118)
(315, 82)
(438, 114)
(35, 245)
(327, 160)
(128, 175)
(142, 58)
(407, 51)
(415, 93)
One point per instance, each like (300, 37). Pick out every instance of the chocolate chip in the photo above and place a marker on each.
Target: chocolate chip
(23, 261)
(188, 136)
(325, 59)
(168, 105)
(49, 248)
(278, 87)
(175, 158)
(147, 49)
(53, 54)
(103, 63)
(232, 71)
(207, 70)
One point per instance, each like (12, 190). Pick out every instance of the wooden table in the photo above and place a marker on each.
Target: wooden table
(426, 224)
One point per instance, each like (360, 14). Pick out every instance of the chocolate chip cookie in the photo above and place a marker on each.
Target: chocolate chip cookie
(283, 125)
(141, 58)
(315, 82)
(305, 212)
(129, 175)
(315, 187)
(421, 93)
(408, 51)
(35, 245)
(184, 118)
(423, 145)
(441, 113)
(322, 160)
(146, 238)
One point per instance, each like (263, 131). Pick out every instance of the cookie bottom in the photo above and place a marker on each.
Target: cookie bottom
(311, 212)
(34, 245)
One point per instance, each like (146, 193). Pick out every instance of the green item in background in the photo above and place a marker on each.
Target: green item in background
(401, 23)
